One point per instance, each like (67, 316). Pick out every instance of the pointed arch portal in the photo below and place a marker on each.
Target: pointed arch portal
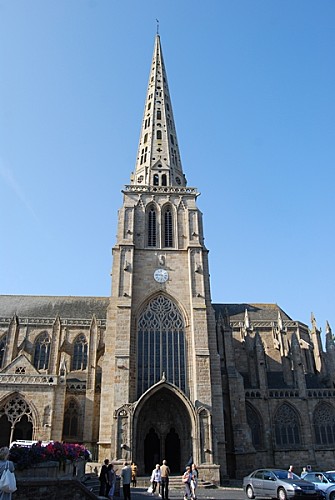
(163, 430)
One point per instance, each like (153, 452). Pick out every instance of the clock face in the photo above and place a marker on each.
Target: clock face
(161, 275)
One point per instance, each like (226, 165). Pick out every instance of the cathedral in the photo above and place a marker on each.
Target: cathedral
(157, 371)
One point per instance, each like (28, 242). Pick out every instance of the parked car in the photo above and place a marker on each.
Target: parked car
(325, 481)
(274, 483)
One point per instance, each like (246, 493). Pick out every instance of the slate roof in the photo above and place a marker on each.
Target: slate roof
(256, 312)
(32, 306)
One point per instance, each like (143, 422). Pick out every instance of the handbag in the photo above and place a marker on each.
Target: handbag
(149, 490)
(7, 480)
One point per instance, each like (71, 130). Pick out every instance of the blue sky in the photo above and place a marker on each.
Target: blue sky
(252, 85)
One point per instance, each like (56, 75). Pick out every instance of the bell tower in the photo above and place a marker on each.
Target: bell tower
(161, 383)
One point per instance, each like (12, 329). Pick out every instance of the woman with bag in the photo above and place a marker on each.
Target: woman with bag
(7, 476)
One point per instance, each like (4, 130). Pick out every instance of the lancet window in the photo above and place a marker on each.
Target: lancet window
(79, 359)
(161, 345)
(168, 227)
(255, 424)
(287, 427)
(324, 424)
(42, 352)
(71, 419)
(3, 343)
(152, 221)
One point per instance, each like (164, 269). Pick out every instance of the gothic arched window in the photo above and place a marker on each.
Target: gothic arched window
(287, 427)
(156, 179)
(42, 352)
(79, 359)
(152, 227)
(168, 227)
(160, 345)
(3, 343)
(71, 419)
(324, 424)
(256, 427)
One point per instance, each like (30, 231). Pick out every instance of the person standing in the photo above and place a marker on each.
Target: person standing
(156, 479)
(133, 473)
(187, 480)
(103, 478)
(165, 473)
(126, 479)
(290, 472)
(5, 463)
(194, 480)
(111, 481)
(303, 472)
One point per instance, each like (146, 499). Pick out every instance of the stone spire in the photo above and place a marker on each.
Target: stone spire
(158, 159)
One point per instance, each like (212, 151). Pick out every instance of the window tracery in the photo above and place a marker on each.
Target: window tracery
(161, 345)
(287, 427)
(79, 359)
(256, 426)
(42, 352)
(71, 419)
(324, 424)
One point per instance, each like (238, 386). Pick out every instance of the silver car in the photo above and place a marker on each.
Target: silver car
(325, 481)
(275, 483)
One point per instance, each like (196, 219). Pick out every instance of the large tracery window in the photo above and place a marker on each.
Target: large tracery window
(287, 427)
(152, 227)
(161, 345)
(168, 227)
(79, 360)
(42, 352)
(324, 424)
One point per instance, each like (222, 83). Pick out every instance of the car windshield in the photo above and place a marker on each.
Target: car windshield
(330, 477)
(283, 474)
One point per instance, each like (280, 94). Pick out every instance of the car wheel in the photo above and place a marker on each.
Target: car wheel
(250, 492)
(332, 495)
(282, 494)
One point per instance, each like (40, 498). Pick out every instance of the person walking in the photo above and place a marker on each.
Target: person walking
(5, 464)
(103, 478)
(156, 479)
(194, 480)
(187, 483)
(126, 480)
(165, 473)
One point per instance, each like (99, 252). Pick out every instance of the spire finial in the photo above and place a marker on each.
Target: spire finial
(157, 26)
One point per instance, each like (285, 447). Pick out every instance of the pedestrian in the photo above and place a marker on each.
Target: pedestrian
(290, 472)
(103, 478)
(111, 475)
(5, 464)
(126, 479)
(133, 473)
(303, 472)
(187, 480)
(156, 479)
(165, 473)
(194, 480)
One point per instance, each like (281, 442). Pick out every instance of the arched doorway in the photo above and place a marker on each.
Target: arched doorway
(163, 430)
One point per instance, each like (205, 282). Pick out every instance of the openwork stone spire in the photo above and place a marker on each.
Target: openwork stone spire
(158, 160)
